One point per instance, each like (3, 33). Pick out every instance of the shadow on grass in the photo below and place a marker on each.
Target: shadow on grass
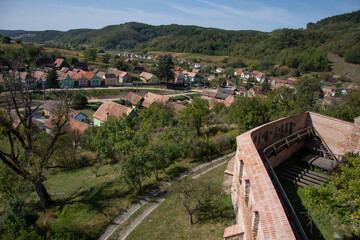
(220, 212)
(292, 192)
(311, 230)
(176, 171)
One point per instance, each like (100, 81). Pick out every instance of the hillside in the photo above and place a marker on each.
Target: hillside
(303, 48)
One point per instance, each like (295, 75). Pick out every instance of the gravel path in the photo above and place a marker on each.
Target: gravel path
(121, 219)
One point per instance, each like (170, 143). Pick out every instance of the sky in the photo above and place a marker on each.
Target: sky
(261, 15)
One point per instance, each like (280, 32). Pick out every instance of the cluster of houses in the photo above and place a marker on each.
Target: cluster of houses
(78, 120)
(185, 77)
(150, 57)
(82, 77)
(221, 95)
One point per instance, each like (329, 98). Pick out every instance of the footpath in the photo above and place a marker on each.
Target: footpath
(153, 205)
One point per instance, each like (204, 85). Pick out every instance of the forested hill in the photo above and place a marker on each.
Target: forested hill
(339, 34)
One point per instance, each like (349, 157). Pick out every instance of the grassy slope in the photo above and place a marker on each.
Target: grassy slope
(91, 202)
(170, 219)
(340, 67)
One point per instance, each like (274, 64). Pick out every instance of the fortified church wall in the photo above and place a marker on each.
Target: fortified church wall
(259, 211)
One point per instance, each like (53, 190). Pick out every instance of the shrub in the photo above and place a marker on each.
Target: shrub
(18, 220)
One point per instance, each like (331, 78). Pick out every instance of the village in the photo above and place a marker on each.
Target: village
(244, 83)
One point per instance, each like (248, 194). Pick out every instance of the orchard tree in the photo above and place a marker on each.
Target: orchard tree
(196, 194)
(195, 115)
(135, 167)
(28, 150)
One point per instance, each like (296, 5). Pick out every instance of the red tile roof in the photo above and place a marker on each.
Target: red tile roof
(133, 98)
(152, 97)
(111, 109)
(147, 76)
(58, 62)
(78, 126)
(175, 106)
(87, 75)
(208, 93)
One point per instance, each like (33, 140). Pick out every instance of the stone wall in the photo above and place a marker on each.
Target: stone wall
(259, 212)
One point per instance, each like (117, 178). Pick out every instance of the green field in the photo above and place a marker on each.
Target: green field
(170, 219)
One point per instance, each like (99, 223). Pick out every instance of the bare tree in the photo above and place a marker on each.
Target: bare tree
(29, 150)
(196, 194)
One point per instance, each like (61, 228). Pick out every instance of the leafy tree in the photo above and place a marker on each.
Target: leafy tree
(18, 41)
(114, 139)
(52, 78)
(11, 184)
(348, 108)
(67, 153)
(196, 194)
(18, 220)
(160, 155)
(248, 113)
(105, 58)
(280, 103)
(341, 196)
(165, 67)
(90, 54)
(29, 150)
(6, 39)
(156, 117)
(121, 65)
(135, 168)
(219, 82)
(195, 115)
(353, 55)
(72, 60)
(307, 90)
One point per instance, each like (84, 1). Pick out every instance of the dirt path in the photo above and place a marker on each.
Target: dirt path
(121, 219)
(155, 204)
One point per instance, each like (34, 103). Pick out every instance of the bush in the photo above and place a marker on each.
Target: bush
(18, 220)
(353, 55)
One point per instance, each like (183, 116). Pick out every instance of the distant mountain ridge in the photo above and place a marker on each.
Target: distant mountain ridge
(338, 33)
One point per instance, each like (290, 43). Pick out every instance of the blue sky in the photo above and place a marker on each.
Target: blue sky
(263, 15)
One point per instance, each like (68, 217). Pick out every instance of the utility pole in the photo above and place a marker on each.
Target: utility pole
(43, 86)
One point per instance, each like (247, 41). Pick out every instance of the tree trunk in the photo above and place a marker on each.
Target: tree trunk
(42, 193)
(190, 219)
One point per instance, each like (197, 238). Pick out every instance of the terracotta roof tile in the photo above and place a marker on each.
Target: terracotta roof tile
(111, 109)
(133, 98)
(58, 62)
(152, 97)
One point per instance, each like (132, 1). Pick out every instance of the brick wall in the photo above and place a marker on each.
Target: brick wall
(259, 212)
(336, 133)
